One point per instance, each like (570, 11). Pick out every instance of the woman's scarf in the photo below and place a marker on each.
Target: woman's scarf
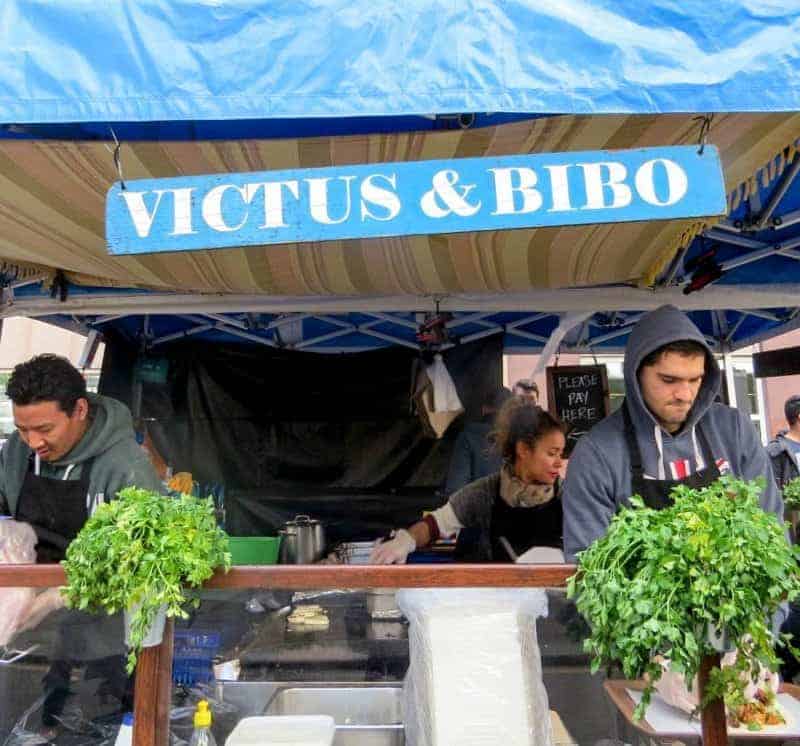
(519, 494)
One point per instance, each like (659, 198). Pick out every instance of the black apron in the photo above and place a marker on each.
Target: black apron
(56, 508)
(655, 492)
(525, 527)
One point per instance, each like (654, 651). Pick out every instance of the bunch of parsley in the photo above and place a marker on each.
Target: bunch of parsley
(139, 552)
(791, 494)
(658, 581)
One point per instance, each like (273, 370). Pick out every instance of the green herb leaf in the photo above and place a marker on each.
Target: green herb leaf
(140, 552)
(658, 580)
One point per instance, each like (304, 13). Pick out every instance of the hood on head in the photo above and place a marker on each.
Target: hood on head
(656, 329)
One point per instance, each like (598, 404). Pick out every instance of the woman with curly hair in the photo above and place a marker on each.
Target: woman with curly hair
(513, 510)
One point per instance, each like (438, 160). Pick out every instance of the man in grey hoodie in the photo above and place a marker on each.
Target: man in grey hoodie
(669, 431)
(71, 451)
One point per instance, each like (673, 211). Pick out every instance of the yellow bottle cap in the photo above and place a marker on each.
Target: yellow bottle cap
(202, 716)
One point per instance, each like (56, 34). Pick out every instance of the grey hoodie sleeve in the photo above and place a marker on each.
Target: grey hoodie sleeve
(755, 463)
(588, 498)
(123, 466)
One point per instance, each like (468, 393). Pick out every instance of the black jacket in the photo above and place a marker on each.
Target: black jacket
(784, 464)
(472, 457)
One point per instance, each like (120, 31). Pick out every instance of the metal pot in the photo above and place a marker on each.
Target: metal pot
(302, 541)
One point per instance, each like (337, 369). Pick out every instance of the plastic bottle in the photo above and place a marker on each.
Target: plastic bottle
(125, 732)
(202, 735)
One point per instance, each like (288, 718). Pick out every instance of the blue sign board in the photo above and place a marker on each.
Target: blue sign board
(413, 198)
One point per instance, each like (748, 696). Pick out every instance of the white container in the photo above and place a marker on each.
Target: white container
(286, 730)
(125, 732)
(155, 634)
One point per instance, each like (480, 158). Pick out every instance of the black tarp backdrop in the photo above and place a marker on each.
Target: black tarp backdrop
(290, 432)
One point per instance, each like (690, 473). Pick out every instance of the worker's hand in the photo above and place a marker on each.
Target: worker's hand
(395, 551)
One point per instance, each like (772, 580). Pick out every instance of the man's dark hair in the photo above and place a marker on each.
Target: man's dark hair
(792, 409)
(685, 347)
(47, 378)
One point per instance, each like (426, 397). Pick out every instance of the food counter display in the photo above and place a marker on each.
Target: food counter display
(301, 650)
(350, 653)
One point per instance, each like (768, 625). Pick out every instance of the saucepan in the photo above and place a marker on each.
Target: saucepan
(302, 541)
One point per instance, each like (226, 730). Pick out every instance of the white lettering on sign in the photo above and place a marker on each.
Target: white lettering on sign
(601, 178)
(182, 224)
(446, 198)
(273, 200)
(379, 197)
(577, 397)
(141, 217)
(578, 414)
(677, 183)
(578, 382)
(318, 199)
(559, 188)
(415, 197)
(212, 207)
(506, 190)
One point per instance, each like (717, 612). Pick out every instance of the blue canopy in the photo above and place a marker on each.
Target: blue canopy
(179, 70)
(74, 61)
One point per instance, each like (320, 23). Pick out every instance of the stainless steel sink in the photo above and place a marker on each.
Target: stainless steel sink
(364, 715)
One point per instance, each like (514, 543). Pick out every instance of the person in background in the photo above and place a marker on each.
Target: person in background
(515, 509)
(473, 456)
(784, 451)
(71, 452)
(527, 387)
(669, 431)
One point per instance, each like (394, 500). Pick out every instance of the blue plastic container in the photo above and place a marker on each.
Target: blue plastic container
(193, 656)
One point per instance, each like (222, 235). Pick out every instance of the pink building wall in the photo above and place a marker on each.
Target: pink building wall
(521, 366)
(23, 338)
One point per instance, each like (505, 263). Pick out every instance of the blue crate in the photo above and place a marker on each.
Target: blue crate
(193, 656)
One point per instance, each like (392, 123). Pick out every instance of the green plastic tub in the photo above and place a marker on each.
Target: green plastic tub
(254, 550)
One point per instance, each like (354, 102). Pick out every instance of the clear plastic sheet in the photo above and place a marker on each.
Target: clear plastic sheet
(475, 674)
(73, 727)
(17, 546)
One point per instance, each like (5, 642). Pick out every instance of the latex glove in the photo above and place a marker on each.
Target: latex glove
(395, 551)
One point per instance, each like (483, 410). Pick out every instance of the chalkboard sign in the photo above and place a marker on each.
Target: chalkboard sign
(578, 396)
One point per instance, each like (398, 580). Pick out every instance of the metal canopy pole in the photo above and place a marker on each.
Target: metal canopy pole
(778, 194)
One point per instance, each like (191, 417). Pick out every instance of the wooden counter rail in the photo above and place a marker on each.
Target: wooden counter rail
(297, 577)
(154, 668)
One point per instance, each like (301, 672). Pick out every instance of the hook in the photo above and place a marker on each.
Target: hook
(117, 157)
(705, 126)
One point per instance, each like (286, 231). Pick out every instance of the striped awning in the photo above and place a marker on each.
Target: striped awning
(52, 202)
